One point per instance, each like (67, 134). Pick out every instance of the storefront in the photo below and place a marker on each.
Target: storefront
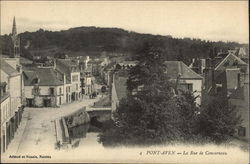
(3, 140)
(10, 128)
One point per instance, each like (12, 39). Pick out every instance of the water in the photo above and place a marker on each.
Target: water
(84, 136)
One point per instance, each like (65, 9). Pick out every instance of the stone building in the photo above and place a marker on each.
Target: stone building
(240, 100)
(68, 69)
(119, 89)
(185, 78)
(43, 88)
(12, 91)
(229, 78)
(223, 76)
(11, 102)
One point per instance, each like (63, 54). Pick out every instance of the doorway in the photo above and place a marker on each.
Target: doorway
(47, 102)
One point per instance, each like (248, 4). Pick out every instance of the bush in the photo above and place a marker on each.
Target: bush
(217, 121)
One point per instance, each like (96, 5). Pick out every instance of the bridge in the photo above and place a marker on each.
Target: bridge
(99, 113)
(97, 116)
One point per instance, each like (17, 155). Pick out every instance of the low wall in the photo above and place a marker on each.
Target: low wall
(62, 134)
(77, 118)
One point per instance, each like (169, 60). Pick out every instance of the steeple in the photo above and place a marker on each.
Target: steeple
(14, 32)
(15, 41)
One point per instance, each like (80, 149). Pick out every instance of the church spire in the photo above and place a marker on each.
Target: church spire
(15, 41)
(14, 32)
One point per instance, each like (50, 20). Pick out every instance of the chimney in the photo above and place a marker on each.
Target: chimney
(203, 65)
(54, 66)
(209, 74)
(64, 78)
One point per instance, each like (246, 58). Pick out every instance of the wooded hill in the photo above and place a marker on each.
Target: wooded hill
(93, 41)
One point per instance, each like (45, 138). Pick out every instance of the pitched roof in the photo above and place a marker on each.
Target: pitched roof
(229, 59)
(63, 66)
(8, 69)
(120, 83)
(178, 68)
(46, 76)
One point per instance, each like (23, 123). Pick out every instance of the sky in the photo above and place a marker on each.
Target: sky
(207, 20)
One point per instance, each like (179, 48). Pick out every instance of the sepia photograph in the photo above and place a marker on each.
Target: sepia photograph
(124, 81)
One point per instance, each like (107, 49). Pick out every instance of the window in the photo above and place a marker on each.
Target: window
(36, 91)
(4, 89)
(239, 80)
(52, 91)
(242, 131)
(76, 86)
(186, 87)
(67, 89)
(190, 87)
(60, 91)
(75, 78)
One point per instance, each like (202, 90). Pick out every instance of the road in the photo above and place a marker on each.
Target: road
(37, 130)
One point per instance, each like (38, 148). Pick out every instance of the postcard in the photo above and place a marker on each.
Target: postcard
(124, 82)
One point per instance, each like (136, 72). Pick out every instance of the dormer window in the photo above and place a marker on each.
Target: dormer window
(18, 68)
(36, 90)
(36, 80)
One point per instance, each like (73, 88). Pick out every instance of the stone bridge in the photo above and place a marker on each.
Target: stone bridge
(100, 114)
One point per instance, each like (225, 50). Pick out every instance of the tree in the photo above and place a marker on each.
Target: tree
(150, 114)
(218, 120)
(180, 56)
(188, 113)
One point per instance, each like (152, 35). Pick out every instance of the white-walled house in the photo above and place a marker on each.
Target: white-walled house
(119, 90)
(43, 88)
(178, 72)
(186, 78)
(69, 69)
(6, 114)
(11, 100)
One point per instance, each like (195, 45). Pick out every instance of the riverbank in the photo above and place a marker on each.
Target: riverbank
(37, 130)
(37, 136)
